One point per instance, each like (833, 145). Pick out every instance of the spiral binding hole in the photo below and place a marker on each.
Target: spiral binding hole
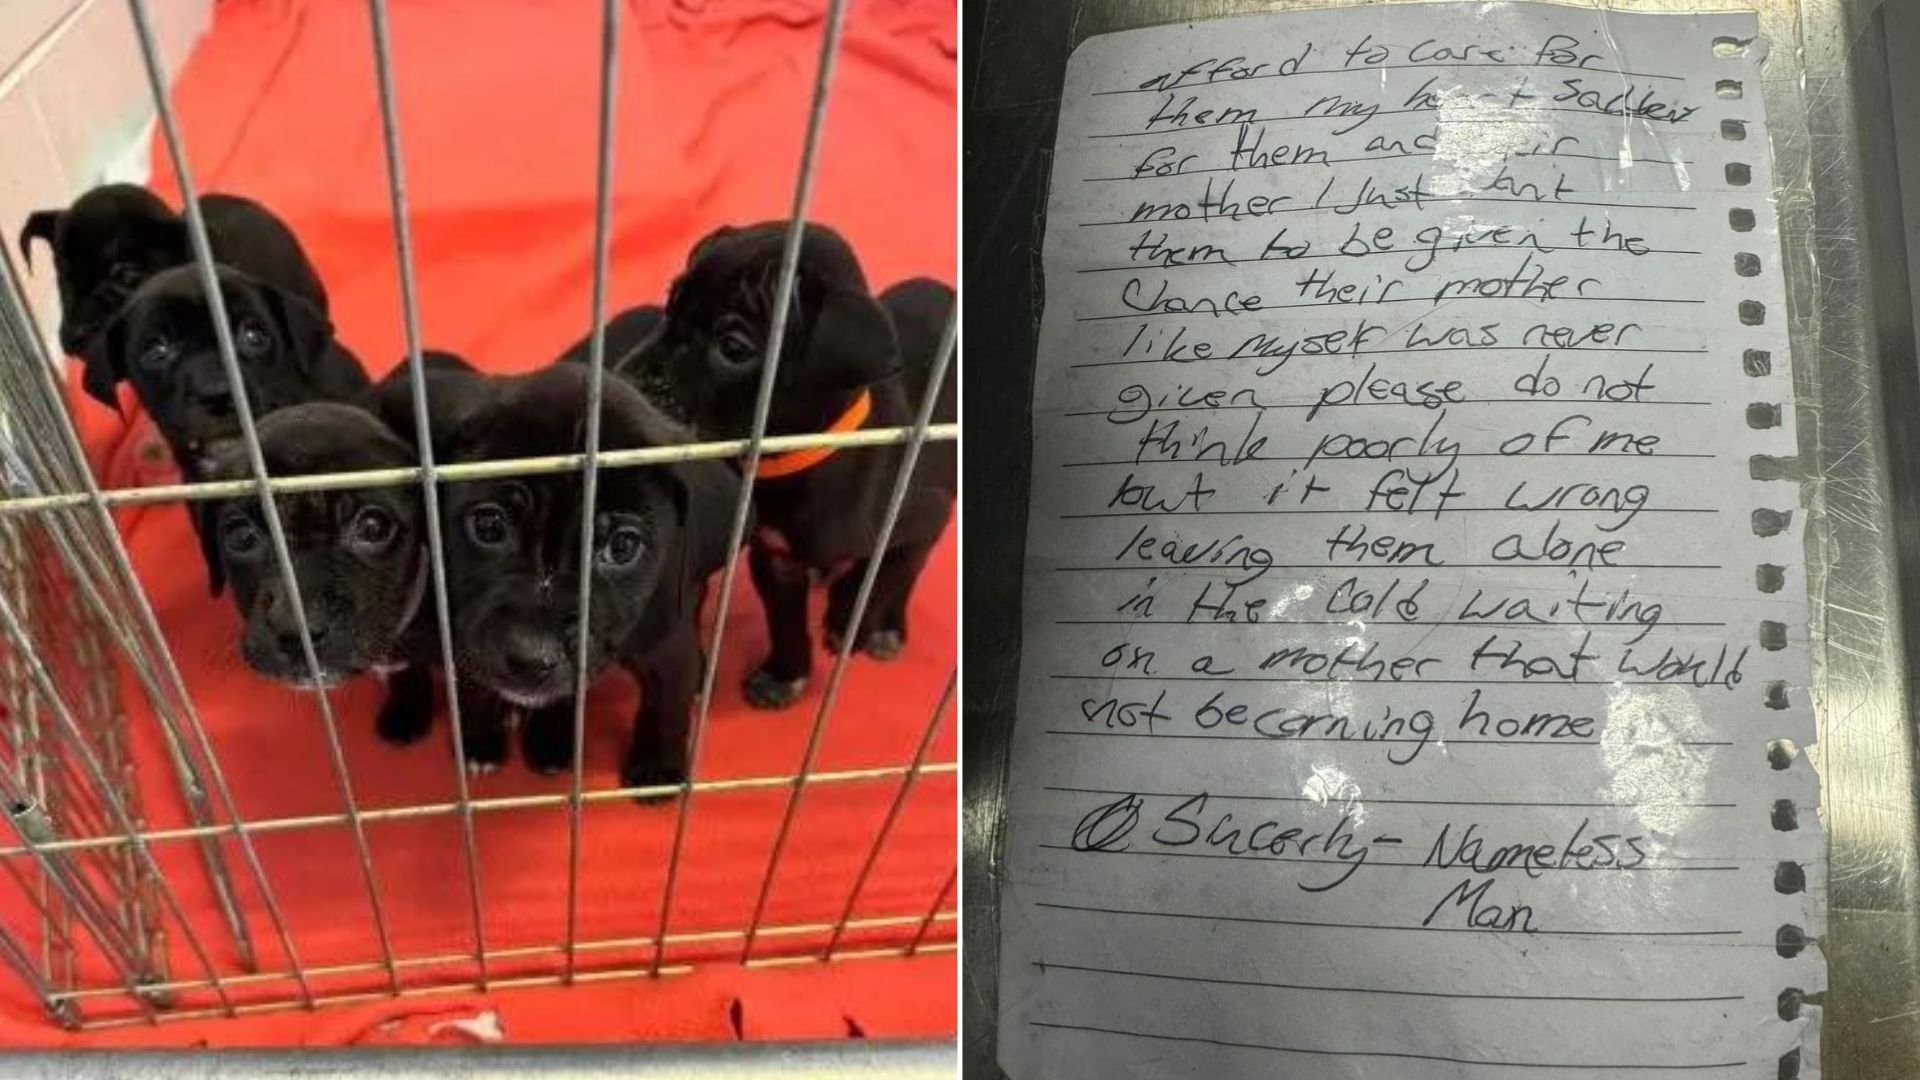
(1781, 752)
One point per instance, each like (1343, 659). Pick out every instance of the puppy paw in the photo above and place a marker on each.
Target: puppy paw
(546, 740)
(884, 644)
(403, 722)
(766, 690)
(486, 751)
(651, 772)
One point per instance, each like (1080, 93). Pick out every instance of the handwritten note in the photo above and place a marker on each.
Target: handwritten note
(1414, 676)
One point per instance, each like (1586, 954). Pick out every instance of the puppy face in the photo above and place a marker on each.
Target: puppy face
(514, 545)
(357, 555)
(710, 348)
(104, 246)
(163, 342)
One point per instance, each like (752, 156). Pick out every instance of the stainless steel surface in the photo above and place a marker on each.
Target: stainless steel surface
(230, 363)
(902, 480)
(590, 468)
(762, 406)
(1857, 386)
(787, 1061)
(893, 814)
(429, 479)
(91, 869)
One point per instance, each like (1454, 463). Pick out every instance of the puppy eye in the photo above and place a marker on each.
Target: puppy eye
(737, 349)
(487, 525)
(623, 547)
(157, 353)
(240, 538)
(252, 339)
(126, 275)
(372, 527)
(734, 343)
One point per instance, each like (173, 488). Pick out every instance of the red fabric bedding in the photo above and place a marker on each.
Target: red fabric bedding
(497, 107)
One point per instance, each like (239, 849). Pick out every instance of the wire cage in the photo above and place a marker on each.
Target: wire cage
(122, 922)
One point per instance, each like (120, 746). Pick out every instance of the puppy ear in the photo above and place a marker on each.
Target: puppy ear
(100, 358)
(41, 225)
(703, 492)
(705, 243)
(165, 240)
(306, 327)
(205, 515)
(851, 343)
(229, 463)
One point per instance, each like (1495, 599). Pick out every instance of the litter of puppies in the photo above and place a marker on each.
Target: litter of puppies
(134, 310)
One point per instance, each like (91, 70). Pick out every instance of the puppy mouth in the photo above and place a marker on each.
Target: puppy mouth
(328, 680)
(533, 699)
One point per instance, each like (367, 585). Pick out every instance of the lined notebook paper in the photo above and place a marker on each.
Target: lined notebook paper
(1415, 661)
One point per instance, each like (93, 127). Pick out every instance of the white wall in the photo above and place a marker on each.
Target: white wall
(75, 108)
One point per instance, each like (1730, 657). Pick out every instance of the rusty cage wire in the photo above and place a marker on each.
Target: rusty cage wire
(72, 610)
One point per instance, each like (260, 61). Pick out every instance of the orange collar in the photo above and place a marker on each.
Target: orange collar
(798, 461)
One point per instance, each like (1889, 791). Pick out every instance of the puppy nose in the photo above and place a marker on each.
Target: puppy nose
(290, 639)
(531, 656)
(215, 403)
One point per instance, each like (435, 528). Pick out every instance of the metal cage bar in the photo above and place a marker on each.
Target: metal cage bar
(893, 813)
(149, 623)
(504, 802)
(903, 478)
(590, 468)
(24, 828)
(243, 409)
(473, 470)
(756, 444)
(42, 682)
(116, 835)
(521, 952)
(927, 1060)
(429, 481)
(918, 943)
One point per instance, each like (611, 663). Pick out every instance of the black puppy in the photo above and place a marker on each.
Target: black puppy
(357, 555)
(116, 236)
(514, 570)
(626, 332)
(849, 360)
(163, 342)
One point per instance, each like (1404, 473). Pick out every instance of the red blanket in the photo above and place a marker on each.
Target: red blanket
(497, 110)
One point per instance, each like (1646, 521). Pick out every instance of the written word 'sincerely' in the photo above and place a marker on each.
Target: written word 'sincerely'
(1415, 661)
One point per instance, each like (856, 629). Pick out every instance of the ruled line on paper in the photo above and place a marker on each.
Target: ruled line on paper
(1400, 1054)
(1611, 999)
(1301, 282)
(1308, 924)
(1256, 120)
(1406, 802)
(1236, 79)
(1324, 161)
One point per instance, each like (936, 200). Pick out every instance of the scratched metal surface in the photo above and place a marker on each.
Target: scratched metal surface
(1832, 116)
